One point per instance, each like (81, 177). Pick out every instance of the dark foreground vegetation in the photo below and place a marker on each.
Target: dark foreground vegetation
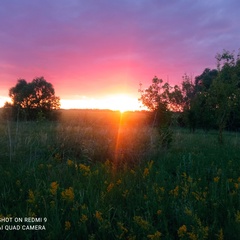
(103, 175)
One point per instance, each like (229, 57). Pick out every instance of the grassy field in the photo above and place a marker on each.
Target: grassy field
(103, 175)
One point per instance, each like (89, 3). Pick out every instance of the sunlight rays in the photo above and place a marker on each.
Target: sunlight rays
(117, 152)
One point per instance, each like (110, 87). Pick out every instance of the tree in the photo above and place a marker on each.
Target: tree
(34, 100)
(224, 93)
(160, 99)
(204, 81)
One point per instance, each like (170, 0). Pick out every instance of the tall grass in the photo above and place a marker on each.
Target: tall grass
(105, 176)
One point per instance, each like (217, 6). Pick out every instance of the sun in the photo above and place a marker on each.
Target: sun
(116, 102)
(122, 103)
(4, 99)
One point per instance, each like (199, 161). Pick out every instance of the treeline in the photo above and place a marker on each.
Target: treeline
(210, 101)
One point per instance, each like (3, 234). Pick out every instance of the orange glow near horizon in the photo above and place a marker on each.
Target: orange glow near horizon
(119, 102)
(3, 100)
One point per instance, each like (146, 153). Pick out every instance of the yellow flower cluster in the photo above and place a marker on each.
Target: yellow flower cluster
(123, 230)
(182, 231)
(54, 187)
(147, 169)
(237, 216)
(67, 225)
(70, 163)
(31, 197)
(125, 193)
(119, 181)
(216, 179)
(84, 169)
(146, 172)
(141, 222)
(155, 236)
(220, 236)
(107, 163)
(110, 187)
(68, 194)
(58, 157)
(83, 218)
(159, 212)
(98, 216)
(175, 191)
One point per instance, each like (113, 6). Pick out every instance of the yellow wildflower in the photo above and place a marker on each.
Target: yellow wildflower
(200, 196)
(121, 226)
(192, 236)
(141, 222)
(70, 163)
(125, 193)
(58, 157)
(132, 237)
(107, 163)
(110, 187)
(67, 225)
(83, 218)
(98, 216)
(31, 197)
(184, 175)
(216, 179)
(132, 172)
(236, 185)
(146, 172)
(54, 187)
(162, 189)
(85, 169)
(238, 179)
(150, 164)
(220, 236)
(123, 229)
(188, 211)
(182, 231)
(68, 194)
(237, 215)
(119, 182)
(154, 236)
(96, 172)
(175, 191)
(84, 206)
(159, 212)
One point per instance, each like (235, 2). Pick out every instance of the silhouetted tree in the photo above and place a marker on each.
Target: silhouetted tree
(157, 98)
(204, 81)
(34, 100)
(224, 93)
(214, 100)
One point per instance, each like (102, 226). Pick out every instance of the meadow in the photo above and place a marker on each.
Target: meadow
(104, 175)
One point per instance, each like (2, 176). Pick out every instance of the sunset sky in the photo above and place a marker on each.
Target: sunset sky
(96, 52)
